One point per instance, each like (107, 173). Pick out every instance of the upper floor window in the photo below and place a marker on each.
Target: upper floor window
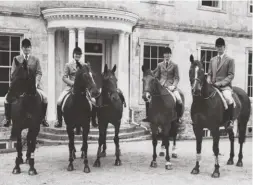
(206, 54)
(250, 6)
(214, 3)
(9, 48)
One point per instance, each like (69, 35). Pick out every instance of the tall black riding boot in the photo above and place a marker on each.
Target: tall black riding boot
(59, 117)
(122, 97)
(230, 123)
(44, 112)
(94, 117)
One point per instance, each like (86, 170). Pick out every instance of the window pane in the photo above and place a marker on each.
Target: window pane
(93, 47)
(250, 58)
(13, 54)
(249, 69)
(215, 53)
(4, 43)
(161, 51)
(207, 67)
(250, 8)
(147, 51)
(208, 55)
(4, 58)
(146, 63)
(202, 54)
(15, 43)
(4, 74)
(210, 3)
(3, 89)
(153, 51)
(153, 64)
(160, 60)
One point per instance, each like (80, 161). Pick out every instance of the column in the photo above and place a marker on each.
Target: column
(81, 41)
(51, 115)
(72, 42)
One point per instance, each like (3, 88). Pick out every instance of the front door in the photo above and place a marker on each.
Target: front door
(94, 54)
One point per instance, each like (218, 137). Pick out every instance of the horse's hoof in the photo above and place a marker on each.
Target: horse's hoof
(86, 169)
(195, 171)
(97, 163)
(153, 164)
(216, 174)
(32, 171)
(230, 162)
(168, 166)
(174, 155)
(239, 164)
(70, 167)
(102, 154)
(118, 162)
(161, 154)
(16, 170)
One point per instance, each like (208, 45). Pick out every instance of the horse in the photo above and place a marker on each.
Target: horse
(162, 113)
(77, 111)
(207, 111)
(26, 112)
(110, 110)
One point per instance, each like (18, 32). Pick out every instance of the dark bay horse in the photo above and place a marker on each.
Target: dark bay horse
(207, 111)
(162, 112)
(77, 111)
(26, 112)
(109, 111)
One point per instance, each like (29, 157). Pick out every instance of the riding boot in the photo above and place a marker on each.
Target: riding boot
(179, 110)
(94, 116)
(7, 121)
(147, 107)
(59, 117)
(44, 112)
(122, 97)
(230, 123)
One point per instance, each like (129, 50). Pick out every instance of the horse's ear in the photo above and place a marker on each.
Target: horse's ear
(114, 68)
(105, 68)
(16, 61)
(191, 59)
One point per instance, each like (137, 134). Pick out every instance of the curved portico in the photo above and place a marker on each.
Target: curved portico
(82, 23)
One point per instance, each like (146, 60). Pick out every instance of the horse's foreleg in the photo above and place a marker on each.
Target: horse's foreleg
(216, 138)
(242, 134)
(85, 147)
(198, 135)
(168, 165)
(19, 159)
(154, 142)
(32, 170)
(174, 148)
(101, 126)
(71, 135)
(103, 153)
(28, 152)
(232, 154)
(116, 141)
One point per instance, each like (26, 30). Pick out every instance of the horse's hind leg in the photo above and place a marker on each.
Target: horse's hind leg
(154, 142)
(19, 159)
(174, 134)
(85, 146)
(28, 152)
(232, 154)
(116, 141)
(216, 138)
(33, 136)
(198, 134)
(168, 165)
(242, 126)
(71, 135)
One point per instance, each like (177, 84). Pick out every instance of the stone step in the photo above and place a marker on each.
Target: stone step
(49, 142)
(93, 131)
(124, 135)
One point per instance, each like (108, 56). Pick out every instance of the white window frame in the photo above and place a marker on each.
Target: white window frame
(248, 50)
(155, 42)
(220, 8)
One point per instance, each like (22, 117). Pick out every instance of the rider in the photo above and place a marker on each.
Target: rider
(167, 73)
(220, 74)
(34, 65)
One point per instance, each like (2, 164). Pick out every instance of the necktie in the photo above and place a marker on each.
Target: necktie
(26, 57)
(166, 65)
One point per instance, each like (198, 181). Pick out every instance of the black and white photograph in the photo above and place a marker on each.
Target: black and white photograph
(134, 92)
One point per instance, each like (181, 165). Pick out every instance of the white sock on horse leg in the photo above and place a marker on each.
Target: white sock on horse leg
(198, 157)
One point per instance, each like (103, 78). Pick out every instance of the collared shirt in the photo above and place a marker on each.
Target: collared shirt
(221, 56)
(27, 56)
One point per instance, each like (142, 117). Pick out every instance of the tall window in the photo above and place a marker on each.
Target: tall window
(206, 55)
(250, 6)
(214, 3)
(153, 54)
(9, 47)
(250, 76)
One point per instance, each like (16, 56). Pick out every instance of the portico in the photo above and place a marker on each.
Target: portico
(102, 34)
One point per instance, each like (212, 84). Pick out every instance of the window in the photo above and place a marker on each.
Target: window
(152, 55)
(250, 7)
(206, 54)
(9, 47)
(214, 3)
(250, 75)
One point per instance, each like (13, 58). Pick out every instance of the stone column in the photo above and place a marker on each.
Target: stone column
(72, 42)
(51, 115)
(81, 41)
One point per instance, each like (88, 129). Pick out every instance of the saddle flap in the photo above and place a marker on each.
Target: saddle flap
(223, 99)
(171, 93)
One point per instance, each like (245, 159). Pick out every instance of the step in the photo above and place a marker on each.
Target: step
(49, 142)
(123, 135)
(93, 131)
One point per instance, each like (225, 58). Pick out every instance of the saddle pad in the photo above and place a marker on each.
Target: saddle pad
(174, 97)
(223, 99)
(64, 101)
